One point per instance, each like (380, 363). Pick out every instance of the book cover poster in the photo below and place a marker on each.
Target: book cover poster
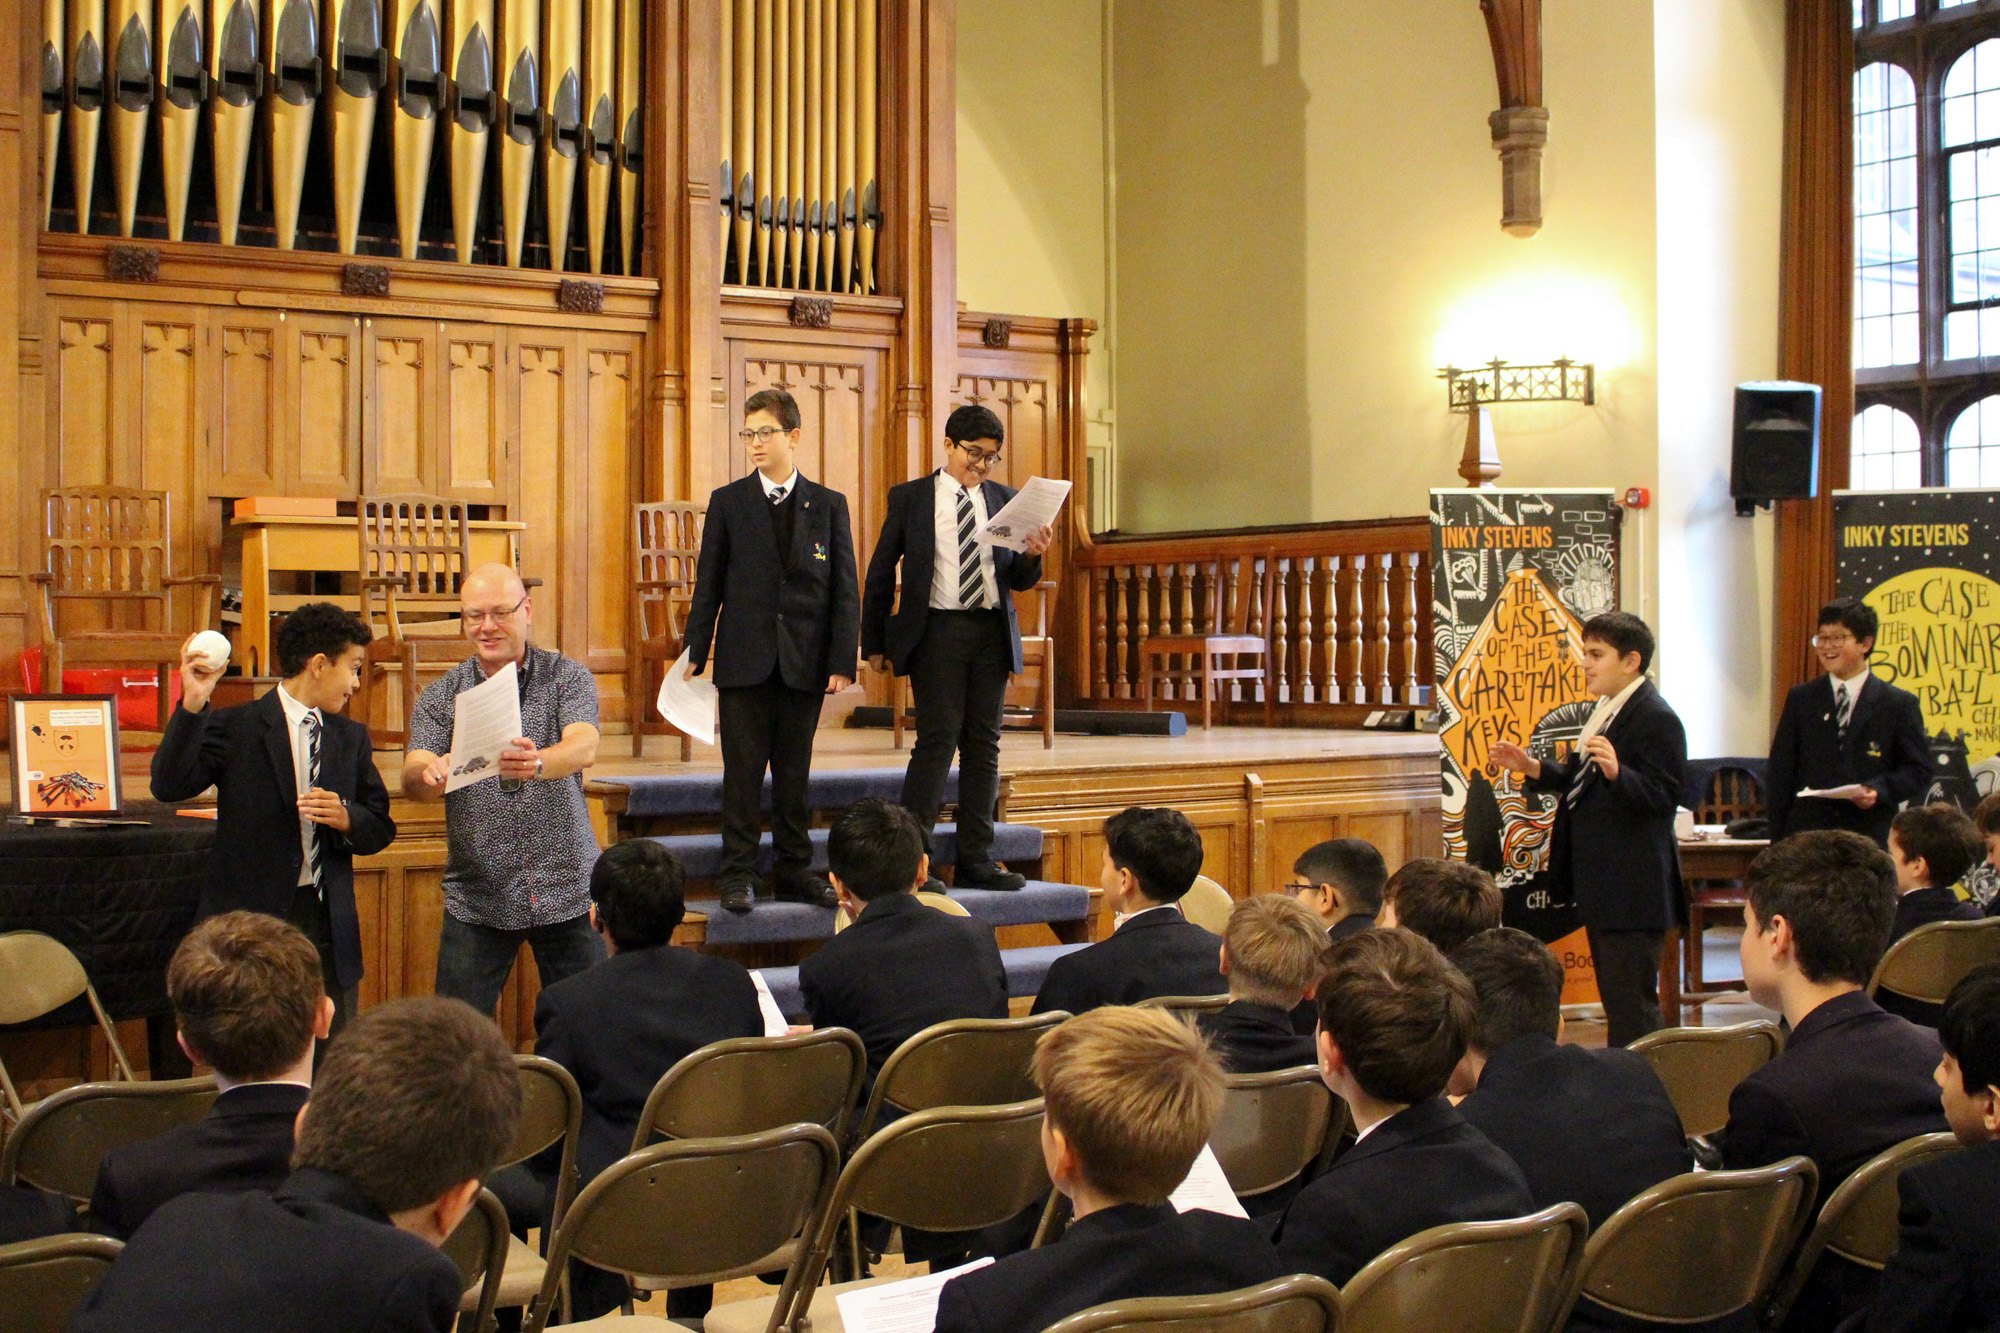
(1514, 576)
(65, 755)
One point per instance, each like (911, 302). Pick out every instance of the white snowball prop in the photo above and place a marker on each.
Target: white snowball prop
(212, 648)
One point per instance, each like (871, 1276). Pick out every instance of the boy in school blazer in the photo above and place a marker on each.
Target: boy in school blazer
(297, 793)
(1270, 953)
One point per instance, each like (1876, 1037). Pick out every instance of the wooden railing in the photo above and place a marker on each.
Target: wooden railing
(1349, 629)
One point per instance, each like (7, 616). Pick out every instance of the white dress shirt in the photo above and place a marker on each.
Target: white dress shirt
(1851, 688)
(296, 714)
(771, 488)
(1607, 709)
(944, 569)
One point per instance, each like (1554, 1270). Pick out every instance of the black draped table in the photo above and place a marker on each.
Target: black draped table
(121, 897)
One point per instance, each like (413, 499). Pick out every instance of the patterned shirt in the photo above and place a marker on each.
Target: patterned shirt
(521, 858)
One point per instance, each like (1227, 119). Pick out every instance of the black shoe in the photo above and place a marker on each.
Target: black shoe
(934, 885)
(988, 875)
(737, 896)
(810, 889)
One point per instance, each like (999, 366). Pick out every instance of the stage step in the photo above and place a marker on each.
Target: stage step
(667, 795)
(772, 922)
(1073, 721)
(1027, 969)
(701, 853)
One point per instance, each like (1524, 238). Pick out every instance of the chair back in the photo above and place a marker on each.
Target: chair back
(415, 552)
(1513, 1276)
(1732, 793)
(1701, 1246)
(478, 1245)
(1272, 1127)
(1702, 1066)
(1926, 963)
(937, 901)
(44, 1281)
(63, 1138)
(42, 976)
(107, 542)
(551, 1112)
(1208, 905)
(1859, 1221)
(1238, 596)
(748, 1084)
(1187, 1006)
(963, 1062)
(1301, 1303)
(666, 541)
(700, 1210)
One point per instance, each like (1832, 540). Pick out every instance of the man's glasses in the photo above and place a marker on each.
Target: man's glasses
(761, 435)
(471, 617)
(977, 457)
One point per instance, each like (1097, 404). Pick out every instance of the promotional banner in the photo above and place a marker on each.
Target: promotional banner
(1514, 576)
(1924, 560)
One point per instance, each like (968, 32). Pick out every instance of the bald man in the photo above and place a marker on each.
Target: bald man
(520, 848)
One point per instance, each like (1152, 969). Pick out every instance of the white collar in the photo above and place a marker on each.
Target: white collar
(949, 483)
(1852, 685)
(295, 712)
(1121, 918)
(1617, 701)
(771, 488)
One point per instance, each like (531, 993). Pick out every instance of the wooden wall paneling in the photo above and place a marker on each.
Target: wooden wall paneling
(611, 397)
(246, 436)
(473, 456)
(1027, 414)
(322, 375)
(83, 336)
(169, 428)
(842, 415)
(538, 362)
(399, 429)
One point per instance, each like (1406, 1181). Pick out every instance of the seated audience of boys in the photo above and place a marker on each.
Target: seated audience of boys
(248, 1001)
(901, 965)
(1933, 846)
(1394, 1018)
(411, 1107)
(1852, 1079)
(621, 1024)
(1151, 859)
(1270, 955)
(1446, 902)
(1945, 1274)
(1587, 1127)
(1132, 1096)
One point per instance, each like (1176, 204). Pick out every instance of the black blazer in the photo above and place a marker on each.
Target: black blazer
(1420, 1168)
(28, 1214)
(909, 534)
(1613, 851)
(1587, 1127)
(315, 1257)
(1155, 953)
(619, 1025)
(1886, 748)
(1254, 1038)
(900, 967)
(245, 753)
(243, 1143)
(1945, 1274)
(794, 612)
(1116, 1254)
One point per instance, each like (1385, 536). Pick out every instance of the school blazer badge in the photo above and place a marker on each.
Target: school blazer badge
(819, 550)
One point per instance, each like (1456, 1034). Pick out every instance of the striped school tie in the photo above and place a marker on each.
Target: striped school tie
(971, 587)
(1843, 708)
(314, 726)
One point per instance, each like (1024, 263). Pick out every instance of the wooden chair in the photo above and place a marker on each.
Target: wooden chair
(1228, 614)
(1702, 1066)
(666, 542)
(44, 1281)
(1859, 1221)
(1038, 651)
(114, 546)
(1926, 963)
(42, 976)
(1511, 1276)
(64, 1138)
(1301, 1303)
(415, 552)
(1732, 793)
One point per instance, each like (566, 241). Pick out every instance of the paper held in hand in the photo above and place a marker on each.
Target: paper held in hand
(1847, 793)
(689, 703)
(1035, 505)
(484, 720)
(909, 1306)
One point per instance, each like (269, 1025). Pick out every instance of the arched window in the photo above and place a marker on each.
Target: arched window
(1887, 452)
(1970, 136)
(1887, 331)
(1972, 449)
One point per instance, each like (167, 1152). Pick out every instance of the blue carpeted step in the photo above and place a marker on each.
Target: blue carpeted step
(690, 794)
(771, 922)
(1026, 970)
(701, 853)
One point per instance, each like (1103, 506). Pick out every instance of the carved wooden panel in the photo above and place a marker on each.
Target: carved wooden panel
(80, 399)
(473, 457)
(323, 396)
(610, 404)
(168, 436)
(842, 418)
(398, 432)
(244, 435)
(1027, 412)
(541, 425)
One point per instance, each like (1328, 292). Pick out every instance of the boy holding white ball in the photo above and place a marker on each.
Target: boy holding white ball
(297, 793)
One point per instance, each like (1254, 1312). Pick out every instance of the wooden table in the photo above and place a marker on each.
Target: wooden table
(1718, 861)
(287, 544)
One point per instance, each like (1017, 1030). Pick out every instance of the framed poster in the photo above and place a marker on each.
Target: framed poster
(65, 754)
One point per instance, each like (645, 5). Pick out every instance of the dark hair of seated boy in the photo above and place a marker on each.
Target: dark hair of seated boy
(1945, 1274)
(1852, 1079)
(1394, 1019)
(1152, 857)
(1131, 1097)
(1591, 1127)
(249, 1000)
(901, 965)
(1933, 847)
(1271, 956)
(1446, 902)
(413, 1105)
(621, 1024)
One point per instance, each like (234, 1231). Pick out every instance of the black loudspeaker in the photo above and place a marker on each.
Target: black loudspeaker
(1775, 452)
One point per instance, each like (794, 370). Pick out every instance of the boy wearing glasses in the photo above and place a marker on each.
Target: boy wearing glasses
(1848, 728)
(953, 632)
(777, 566)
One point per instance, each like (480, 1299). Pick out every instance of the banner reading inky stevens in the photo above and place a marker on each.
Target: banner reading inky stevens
(1925, 561)
(1514, 576)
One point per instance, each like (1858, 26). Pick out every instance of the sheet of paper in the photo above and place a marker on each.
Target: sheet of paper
(1847, 793)
(483, 720)
(1035, 505)
(767, 1005)
(909, 1306)
(1206, 1187)
(689, 702)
